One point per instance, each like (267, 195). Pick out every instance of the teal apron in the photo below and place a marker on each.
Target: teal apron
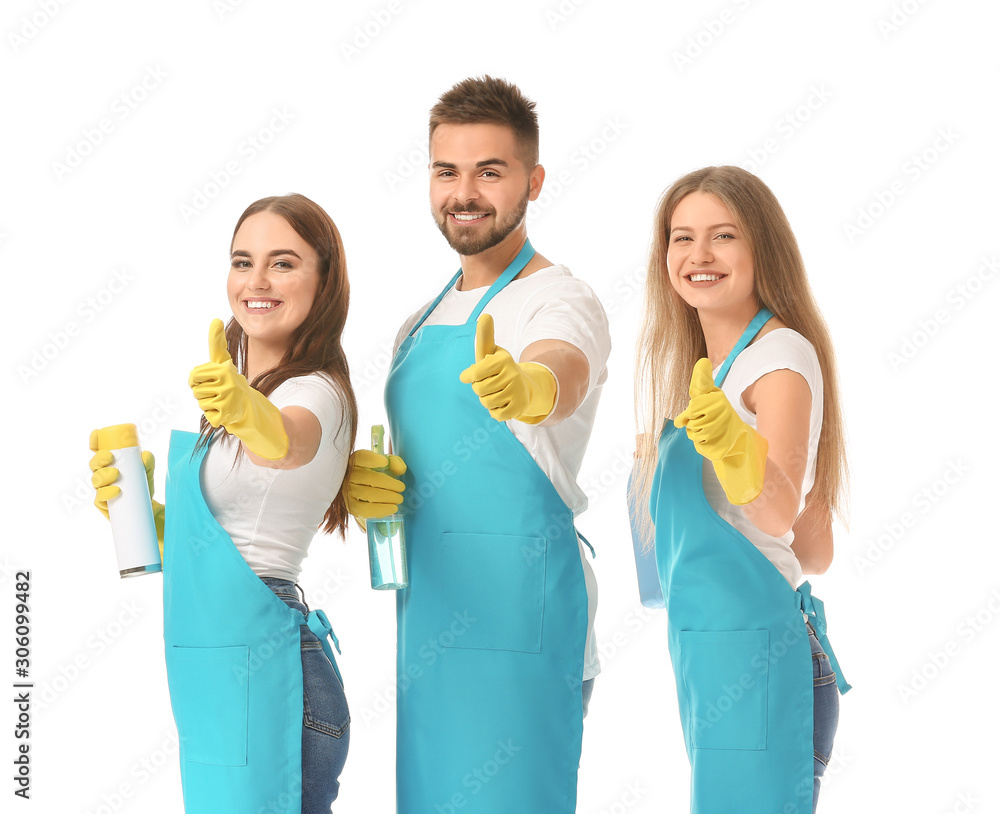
(233, 661)
(738, 644)
(492, 628)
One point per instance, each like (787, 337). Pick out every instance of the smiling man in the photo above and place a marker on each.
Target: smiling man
(491, 399)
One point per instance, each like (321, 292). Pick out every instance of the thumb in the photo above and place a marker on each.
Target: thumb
(484, 337)
(701, 378)
(218, 351)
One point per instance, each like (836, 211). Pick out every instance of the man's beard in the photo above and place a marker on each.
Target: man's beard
(467, 241)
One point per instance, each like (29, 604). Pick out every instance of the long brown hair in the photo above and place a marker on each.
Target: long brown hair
(671, 340)
(315, 346)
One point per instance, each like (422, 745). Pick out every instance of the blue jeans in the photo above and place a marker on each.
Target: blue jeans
(326, 720)
(826, 711)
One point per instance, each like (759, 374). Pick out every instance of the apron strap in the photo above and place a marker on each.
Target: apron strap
(762, 316)
(812, 606)
(515, 268)
(320, 625)
(586, 542)
(437, 300)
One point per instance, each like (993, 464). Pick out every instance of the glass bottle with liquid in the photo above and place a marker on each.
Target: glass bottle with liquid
(386, 542)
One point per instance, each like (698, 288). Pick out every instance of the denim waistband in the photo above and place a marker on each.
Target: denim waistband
(285, 587)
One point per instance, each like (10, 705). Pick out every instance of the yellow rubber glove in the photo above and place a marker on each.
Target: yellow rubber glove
(737, 451)
(229, 401)
(371, 490)
(525, 391)
(105, 475)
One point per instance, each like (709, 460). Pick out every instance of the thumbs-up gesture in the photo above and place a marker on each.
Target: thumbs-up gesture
(228, 400)
(710, 419)
(216, 384)
(525, 391)
(737, 451)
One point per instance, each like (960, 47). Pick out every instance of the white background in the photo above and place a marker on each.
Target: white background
(114, 258)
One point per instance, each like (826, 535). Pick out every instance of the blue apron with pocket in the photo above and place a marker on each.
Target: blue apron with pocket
(492, 627)
(738, 644)
(233, 658)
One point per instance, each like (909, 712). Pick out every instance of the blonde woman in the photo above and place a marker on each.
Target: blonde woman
(741, 485)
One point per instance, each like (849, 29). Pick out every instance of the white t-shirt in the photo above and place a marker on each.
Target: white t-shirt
(549, 304)
(273, 514)
(781, 349)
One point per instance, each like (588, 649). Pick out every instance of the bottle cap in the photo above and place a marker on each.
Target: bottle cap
(117, 436)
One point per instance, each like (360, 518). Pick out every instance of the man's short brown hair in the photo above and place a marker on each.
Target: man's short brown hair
(486, 100)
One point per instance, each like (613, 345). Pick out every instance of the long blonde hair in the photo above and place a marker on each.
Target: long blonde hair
(671, 340)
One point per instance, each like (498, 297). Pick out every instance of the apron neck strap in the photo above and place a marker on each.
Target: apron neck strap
(515, 268)
(763, 315)
(437, 300)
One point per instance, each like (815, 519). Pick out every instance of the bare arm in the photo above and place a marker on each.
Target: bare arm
(781, 400)
(571, 368)
(813, 543)
(304, 433)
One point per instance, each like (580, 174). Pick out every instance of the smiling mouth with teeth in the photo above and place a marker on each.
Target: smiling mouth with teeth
(259, 305)
(704, 278)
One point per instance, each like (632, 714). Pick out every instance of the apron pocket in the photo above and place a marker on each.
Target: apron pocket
(724, 679)
(493, 597)
(209, 693)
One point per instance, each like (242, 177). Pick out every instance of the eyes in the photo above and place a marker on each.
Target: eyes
(719, 236)
(488, 174)
(242, 264)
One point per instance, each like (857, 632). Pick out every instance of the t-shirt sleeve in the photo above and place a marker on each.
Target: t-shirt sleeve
(568, 310)
(318, 395)
(786, 350)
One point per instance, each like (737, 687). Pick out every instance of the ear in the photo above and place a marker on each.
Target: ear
(535, 180)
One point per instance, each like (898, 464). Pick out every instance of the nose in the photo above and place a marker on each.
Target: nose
(701, 251)
(258, 278)
(465, 190)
